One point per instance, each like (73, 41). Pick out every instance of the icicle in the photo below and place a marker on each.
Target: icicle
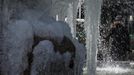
(93, 10)
(57, 18)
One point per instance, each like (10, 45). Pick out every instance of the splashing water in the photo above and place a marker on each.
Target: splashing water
(113, 69)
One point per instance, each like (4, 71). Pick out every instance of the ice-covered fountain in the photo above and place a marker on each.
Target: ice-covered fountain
(52, 22)
(38, 40)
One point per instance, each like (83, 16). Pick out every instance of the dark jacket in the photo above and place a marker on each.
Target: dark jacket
(118, 38)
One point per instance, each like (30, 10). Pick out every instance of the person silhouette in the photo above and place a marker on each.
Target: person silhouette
(118, 38)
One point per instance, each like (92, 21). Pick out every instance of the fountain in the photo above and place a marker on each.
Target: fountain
(47, 19)
(110, 66)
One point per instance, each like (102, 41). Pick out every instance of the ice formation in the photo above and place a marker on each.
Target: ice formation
(93, 11)
(42, 54)
(40, 21)
(17, 44)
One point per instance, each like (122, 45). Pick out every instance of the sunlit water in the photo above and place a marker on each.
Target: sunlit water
(114, 69)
